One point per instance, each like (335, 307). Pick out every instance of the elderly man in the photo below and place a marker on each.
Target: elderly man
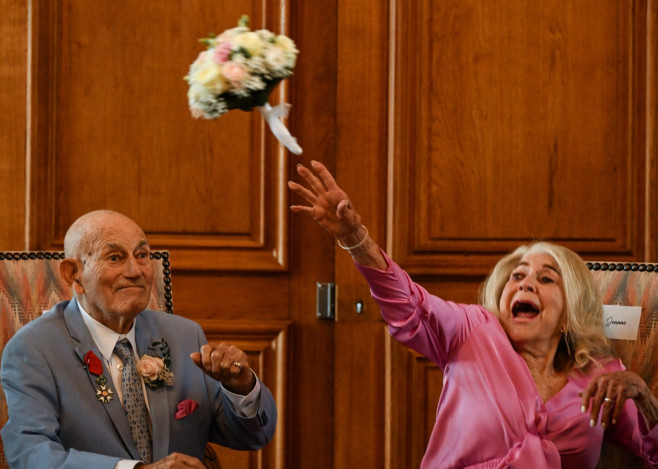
(102, 382)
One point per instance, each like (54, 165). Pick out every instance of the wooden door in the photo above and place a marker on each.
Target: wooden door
(466, 128)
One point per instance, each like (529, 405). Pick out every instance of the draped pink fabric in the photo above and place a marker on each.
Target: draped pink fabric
(490, 414)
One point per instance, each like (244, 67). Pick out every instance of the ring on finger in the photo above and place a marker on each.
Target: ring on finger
(238, 364)
(607, 400)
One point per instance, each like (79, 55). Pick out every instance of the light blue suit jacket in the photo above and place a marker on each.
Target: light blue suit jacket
(56, 421)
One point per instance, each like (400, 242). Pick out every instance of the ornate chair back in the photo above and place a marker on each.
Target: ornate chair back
(30, 284)
(631, 284)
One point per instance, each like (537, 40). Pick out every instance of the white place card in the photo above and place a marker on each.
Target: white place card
(621, 322)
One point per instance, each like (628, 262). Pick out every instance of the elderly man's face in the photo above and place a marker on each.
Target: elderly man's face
(116, 273)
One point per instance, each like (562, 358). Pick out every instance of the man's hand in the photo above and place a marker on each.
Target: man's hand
(174, 461)
(228, 365)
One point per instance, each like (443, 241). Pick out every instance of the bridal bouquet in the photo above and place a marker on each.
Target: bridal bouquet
(238, 70)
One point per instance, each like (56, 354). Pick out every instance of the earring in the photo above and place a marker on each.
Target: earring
(566, 340)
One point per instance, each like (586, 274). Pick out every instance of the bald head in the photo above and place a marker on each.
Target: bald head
(80, 237)
(108, 266)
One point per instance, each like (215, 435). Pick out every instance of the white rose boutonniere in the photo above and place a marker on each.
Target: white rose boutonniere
(155, 370)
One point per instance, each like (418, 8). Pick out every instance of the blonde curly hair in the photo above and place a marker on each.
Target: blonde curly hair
(584, 340)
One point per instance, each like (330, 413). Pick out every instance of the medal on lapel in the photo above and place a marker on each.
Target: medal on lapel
(103, 392)
(95, 367)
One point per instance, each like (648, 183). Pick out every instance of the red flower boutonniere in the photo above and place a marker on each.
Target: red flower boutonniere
(95, 367)
(155, 370)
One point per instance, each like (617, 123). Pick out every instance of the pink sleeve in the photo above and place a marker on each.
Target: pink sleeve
(424, 322)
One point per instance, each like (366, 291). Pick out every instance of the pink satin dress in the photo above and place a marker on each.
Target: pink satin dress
(490, 414)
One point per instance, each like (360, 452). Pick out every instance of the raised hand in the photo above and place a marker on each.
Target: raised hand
(330, 205)
(227, 364)
(332, 210)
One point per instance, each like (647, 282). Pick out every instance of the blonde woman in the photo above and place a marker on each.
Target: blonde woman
(529, 379)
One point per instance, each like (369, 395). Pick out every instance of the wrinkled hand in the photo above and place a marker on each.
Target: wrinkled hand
(174, 461)
(227, 364)
(608, 392)
(330, 205)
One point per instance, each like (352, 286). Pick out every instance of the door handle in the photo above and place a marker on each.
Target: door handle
(325, 301)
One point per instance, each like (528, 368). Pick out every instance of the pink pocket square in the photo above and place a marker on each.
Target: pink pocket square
(185, 408)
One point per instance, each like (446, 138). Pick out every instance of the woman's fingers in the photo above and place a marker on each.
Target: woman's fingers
(302, 191)
(606, 394)
(316, 184)
(325, 176)
(329, 204)
(618, 405)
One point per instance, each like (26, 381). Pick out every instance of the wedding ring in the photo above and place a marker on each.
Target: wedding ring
(607, 399)
(238, 364)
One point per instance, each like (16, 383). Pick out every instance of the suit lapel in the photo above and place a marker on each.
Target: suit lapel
(145, 335)
(79, 332)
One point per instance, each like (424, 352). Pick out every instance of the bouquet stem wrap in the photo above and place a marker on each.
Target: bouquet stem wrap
(273, 116)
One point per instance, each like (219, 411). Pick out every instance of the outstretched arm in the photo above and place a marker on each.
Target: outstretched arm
(332, 209)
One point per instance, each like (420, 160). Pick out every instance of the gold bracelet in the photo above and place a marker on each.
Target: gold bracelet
(349, 248)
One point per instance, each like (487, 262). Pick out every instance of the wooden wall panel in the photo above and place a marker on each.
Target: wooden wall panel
(313, 95)
(413, 388)
(13, 118)
(231, 297)
(117, 134)
(268, 346)
(651, 248)
(515, 122)
(358, 382)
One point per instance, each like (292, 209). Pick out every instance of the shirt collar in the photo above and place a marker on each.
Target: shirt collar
(104, 337)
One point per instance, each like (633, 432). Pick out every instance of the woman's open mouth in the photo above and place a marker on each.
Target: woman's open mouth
(525, 309)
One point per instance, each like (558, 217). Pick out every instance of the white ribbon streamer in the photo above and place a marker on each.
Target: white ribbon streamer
(273, 116)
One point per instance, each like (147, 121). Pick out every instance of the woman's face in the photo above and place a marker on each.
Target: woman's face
(532, 305)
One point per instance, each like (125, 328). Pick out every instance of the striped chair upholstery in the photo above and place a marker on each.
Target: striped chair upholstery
(631, 284)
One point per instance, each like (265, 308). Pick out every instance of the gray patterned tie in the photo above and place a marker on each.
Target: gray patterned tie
(133, 401)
